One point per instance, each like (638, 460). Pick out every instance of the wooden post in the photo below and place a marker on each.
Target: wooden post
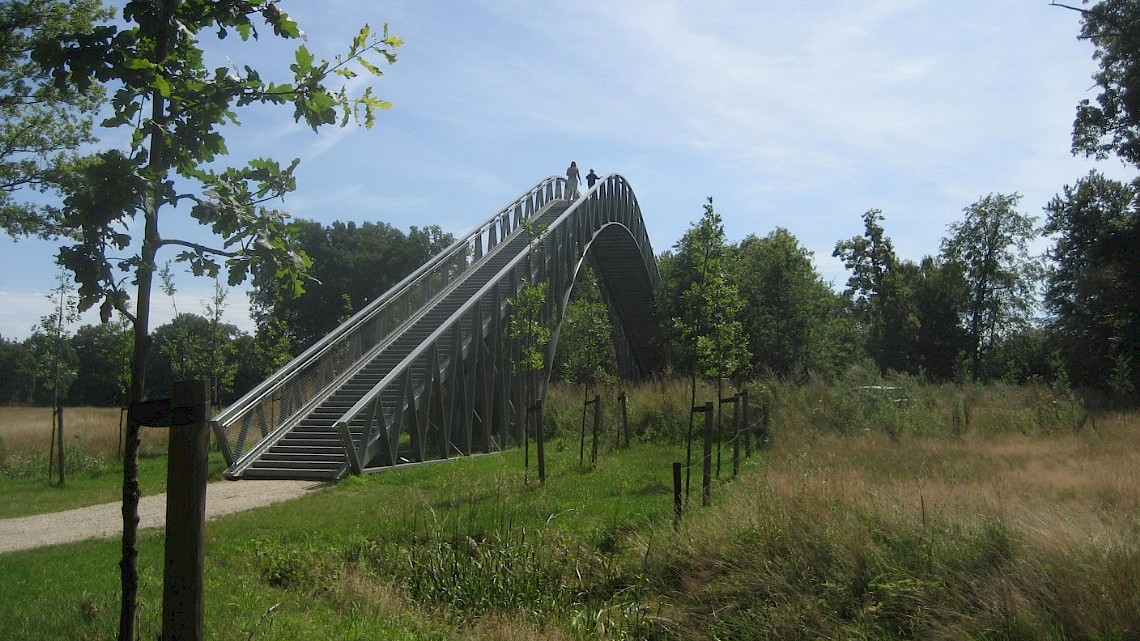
(597, 428)
(540, 441)
(183, 600)
(624, 418)
(677, 496)
(582, 434)
(62, 451)
(746, 427)
(736, 436)
(706, 476)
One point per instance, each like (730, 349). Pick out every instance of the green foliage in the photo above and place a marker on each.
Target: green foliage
(585, 343)
(1111, 124)
(41, 124)
(104, 356)
(709, 331)
(352, 266)
(1093, 288)
(991, 245)
(173, 110)
(528, 324)
(940, 295)
(48, 363)
(790, 312)
(882, 296)
(35, 466)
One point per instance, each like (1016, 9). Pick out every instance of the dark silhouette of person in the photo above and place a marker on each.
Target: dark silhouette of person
(591, 178)
(572, 179)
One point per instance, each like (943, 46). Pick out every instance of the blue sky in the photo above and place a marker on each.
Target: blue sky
(791, 114)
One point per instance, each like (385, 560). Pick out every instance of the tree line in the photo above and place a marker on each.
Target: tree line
(984, 307)
(353, 264)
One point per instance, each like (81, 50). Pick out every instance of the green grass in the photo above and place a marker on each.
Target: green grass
(24, 496)
(961, 513)
(294, 557)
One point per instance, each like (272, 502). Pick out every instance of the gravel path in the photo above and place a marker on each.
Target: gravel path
(106, 520)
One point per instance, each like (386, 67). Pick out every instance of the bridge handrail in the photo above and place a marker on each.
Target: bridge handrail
(308, 375)
(612, 186)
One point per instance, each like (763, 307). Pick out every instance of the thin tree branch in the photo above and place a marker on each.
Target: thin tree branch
(200, 248)
(1071, 8)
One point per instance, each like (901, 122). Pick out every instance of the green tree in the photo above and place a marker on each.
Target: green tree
(881, 295)
(708, 325)
(104, 355)
(41, 123)
(174, 109)
(187, 348)
(788, 307)
(1111, 123)
(352, 266)
(991, 246)
(528, 326)
(940, 295)
(10, 351)
(1093, 286)
(586, 343)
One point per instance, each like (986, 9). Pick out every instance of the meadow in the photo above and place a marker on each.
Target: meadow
(874, 510)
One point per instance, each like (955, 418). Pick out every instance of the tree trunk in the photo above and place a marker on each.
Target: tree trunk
(128, 564)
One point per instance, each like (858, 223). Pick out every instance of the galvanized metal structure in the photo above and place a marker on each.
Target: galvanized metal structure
(425, 371)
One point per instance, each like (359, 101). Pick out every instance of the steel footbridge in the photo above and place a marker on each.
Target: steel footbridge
(427, 371)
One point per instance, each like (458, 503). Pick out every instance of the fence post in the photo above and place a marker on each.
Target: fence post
(746, 427)
(183, 601)
(624, 418)
(540, 440)
(706, 476)
(582, 434)
(597, 428)
(677, 496)
(736, 435)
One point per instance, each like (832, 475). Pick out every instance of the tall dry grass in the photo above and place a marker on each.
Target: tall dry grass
(26, 432)
(1013, 534)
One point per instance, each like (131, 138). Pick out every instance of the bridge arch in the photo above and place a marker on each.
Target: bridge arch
(426, 371)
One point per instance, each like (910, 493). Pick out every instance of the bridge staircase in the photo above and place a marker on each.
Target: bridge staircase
(397, 382)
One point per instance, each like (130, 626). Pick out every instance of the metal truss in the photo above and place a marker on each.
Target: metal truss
(427, 370)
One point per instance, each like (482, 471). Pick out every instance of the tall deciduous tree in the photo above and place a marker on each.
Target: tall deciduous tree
(353, 264)
(788, 308)
(1111, 123)
(1093, 287)
(41, 124)
(991, 246)
(940, 295)
(174, 108)
(709, 322)
(586, 340)
(881, 294)
(104, 355)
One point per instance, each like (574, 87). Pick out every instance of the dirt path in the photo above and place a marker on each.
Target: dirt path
(106, 520)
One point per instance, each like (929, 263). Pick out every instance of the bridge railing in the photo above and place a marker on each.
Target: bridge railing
(611, 201)
(309, 378)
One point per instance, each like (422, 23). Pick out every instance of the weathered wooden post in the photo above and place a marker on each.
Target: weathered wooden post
(677, 496)
(187, 414)
(624, 418)
(183, 602)
(706, 476)
(746, 427)
(540, 441)
(735, 435)
(597, 428)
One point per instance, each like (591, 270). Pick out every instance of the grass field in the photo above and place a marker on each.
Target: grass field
(936, 513)
(94, 473)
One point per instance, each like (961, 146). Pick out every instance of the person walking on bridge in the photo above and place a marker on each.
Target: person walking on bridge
(572, 180)
(591, 178)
